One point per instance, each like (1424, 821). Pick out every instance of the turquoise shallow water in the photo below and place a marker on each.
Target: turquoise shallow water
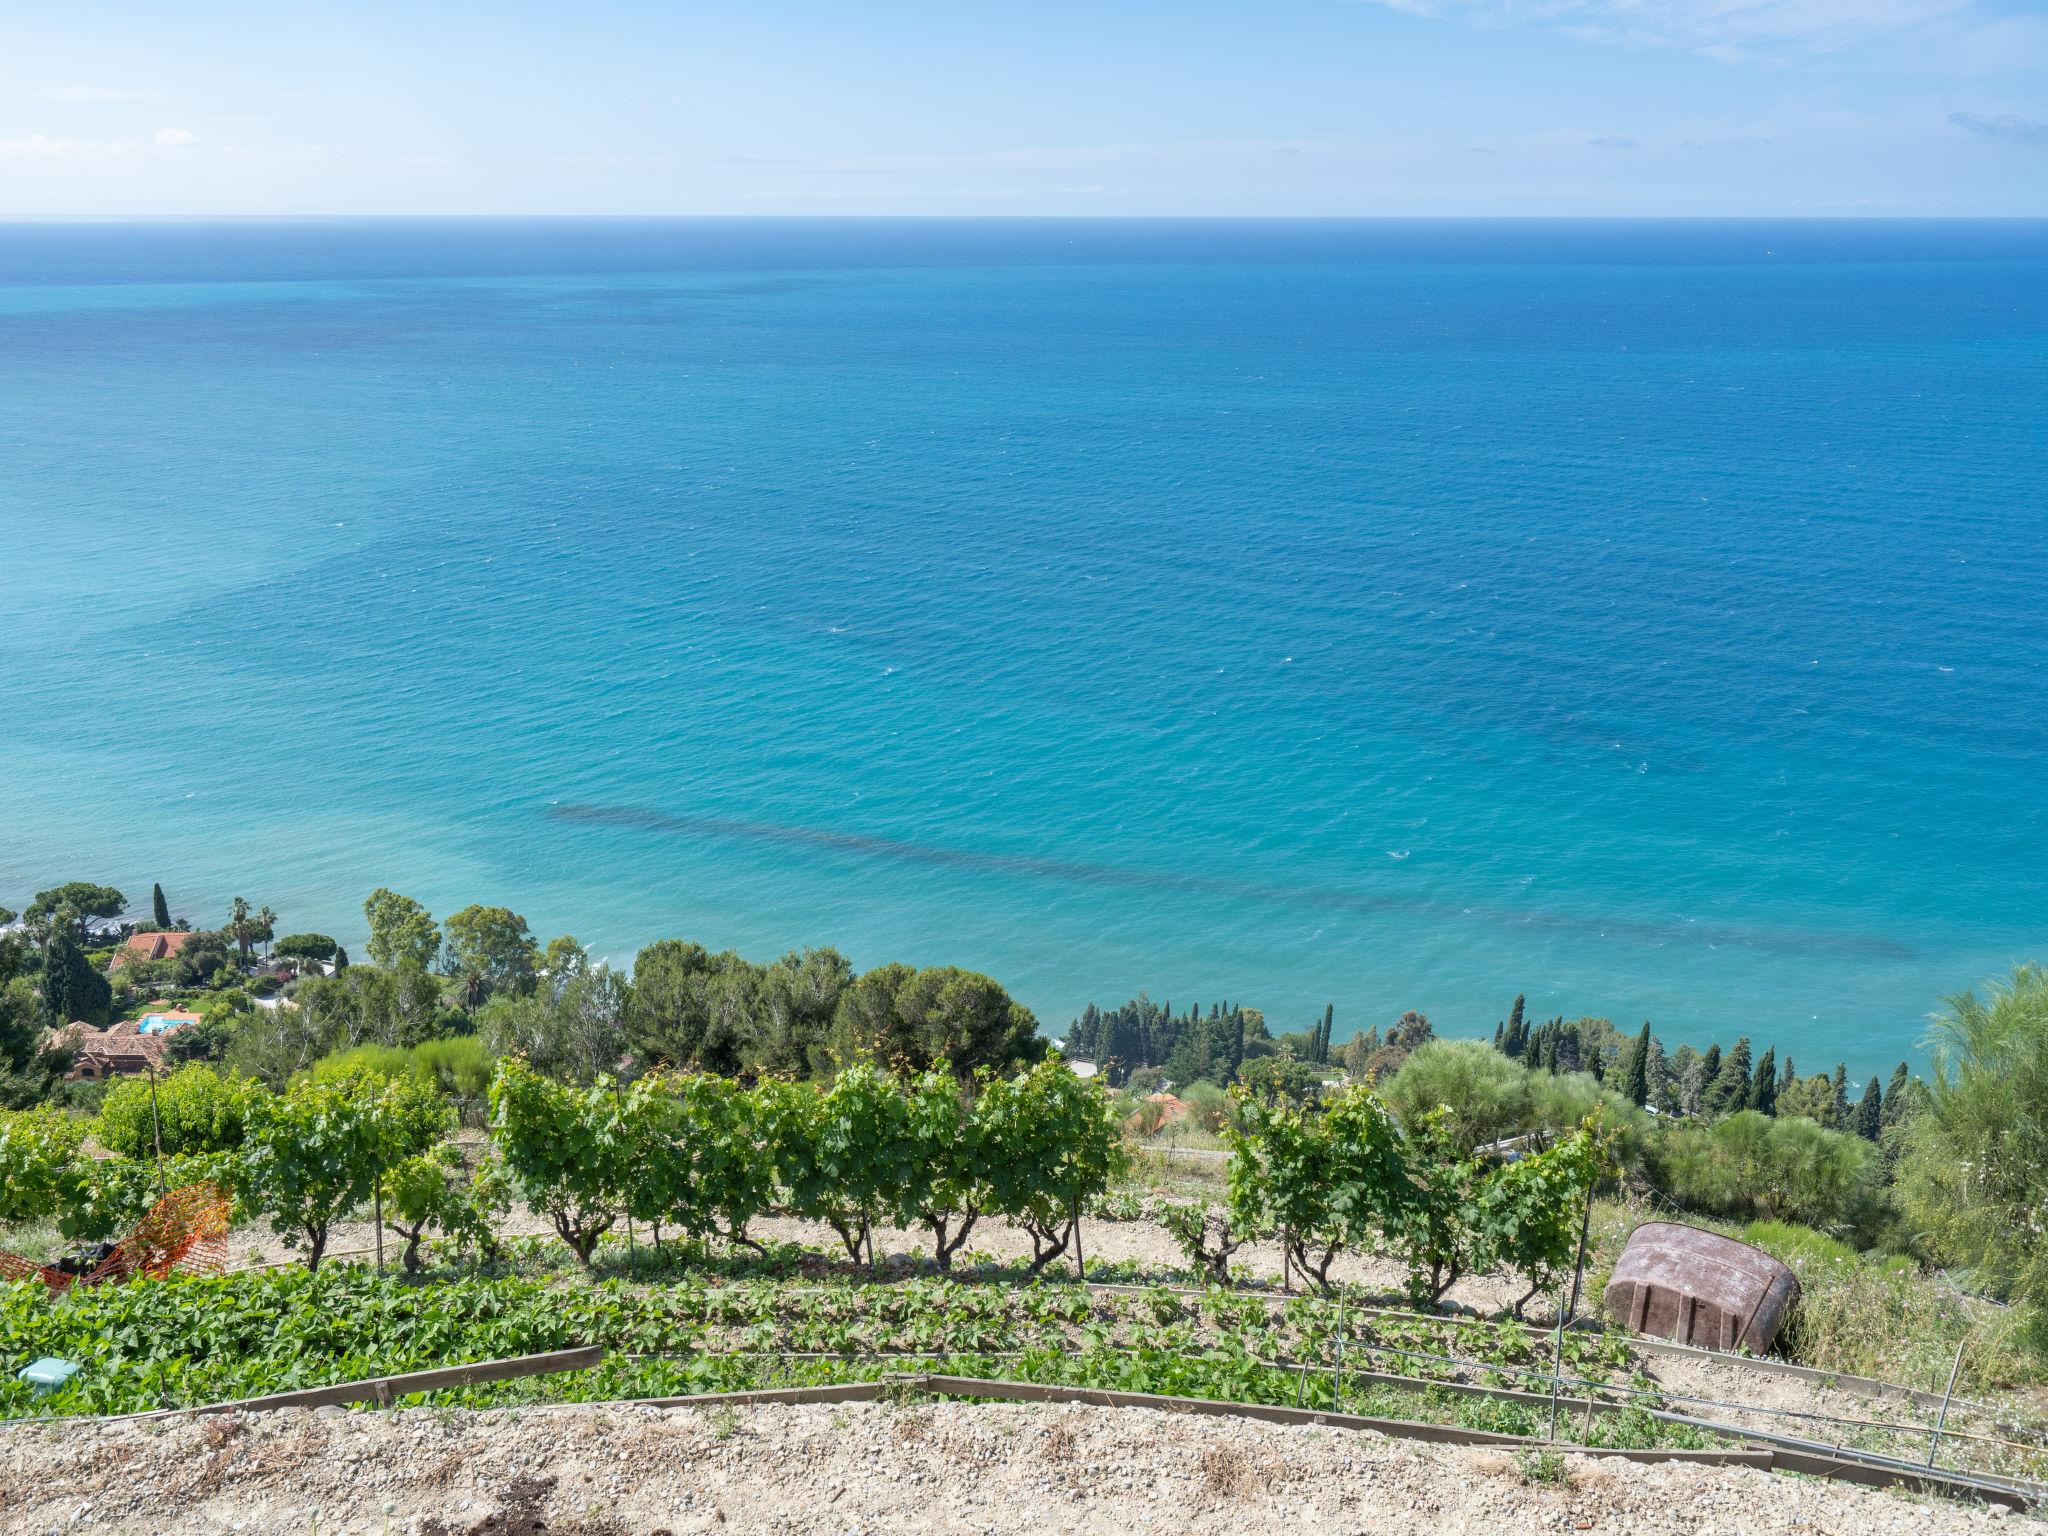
(1648, 618)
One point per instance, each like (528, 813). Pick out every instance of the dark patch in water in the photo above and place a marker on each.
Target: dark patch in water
(1329, 898)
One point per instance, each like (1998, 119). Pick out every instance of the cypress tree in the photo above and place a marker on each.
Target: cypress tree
(1500, 1038)
(1518, 1028)
(1895, 1095)
(1635, 1083)
(72, 988)
(1763, 1088)
(1787, 1077)
(1869, 1118)
(159, 909)
(1329, 1023)
(1841, 1106)
(1712, 1063)
(340, 958)
(1730, 1091)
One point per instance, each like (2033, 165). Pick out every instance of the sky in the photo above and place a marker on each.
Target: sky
(1063, 107)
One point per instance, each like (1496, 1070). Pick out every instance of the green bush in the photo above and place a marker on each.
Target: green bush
(199, 1110)
(1482, 1094)
(1751, 1165)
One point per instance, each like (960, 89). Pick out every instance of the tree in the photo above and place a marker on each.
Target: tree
(423, 1194)
(305, 950)
(73, 988)
(489, 949)
(159, 909)
(1839, 1107)
(194, 1110)
(1526, 1213)
(1323, 1181)
(1895, 1096)
(402, 932)
(566, 1150)
(28, 1072)
(691, 1009)
(1484, 1095)
(1635, 1077)
(315, 1152)
(201, 958)
(581, 1030)
(1973, 1169)
(1810, 1098)
(70, 905)
(1049, 1144)
(798, 999)
(1868, 1119)
(248, 927)
(37, 1148)
(1763, 1087)
(844, 1154)
(939, 1016)
(1729, 1091)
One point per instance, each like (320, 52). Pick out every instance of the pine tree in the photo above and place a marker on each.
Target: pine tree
(1763, 1088)
(1711, 1062)
(1635, 1082)
(159, 909)
(1869, 1119)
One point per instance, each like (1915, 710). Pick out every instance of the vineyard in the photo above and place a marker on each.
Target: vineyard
(671, 1200)
(702, 1157)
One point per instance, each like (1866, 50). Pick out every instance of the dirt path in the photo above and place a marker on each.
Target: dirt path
(867, 1468)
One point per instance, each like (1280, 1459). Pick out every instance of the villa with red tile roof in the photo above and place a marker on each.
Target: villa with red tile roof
(124, 1049)
(149, 946)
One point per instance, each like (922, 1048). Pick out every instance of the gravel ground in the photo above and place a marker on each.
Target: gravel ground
(866, 1468)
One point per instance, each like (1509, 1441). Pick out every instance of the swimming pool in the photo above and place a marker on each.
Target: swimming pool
(159, 1023)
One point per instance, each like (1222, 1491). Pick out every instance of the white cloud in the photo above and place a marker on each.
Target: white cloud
(81, 93)
(43, 146)
(1937, 33)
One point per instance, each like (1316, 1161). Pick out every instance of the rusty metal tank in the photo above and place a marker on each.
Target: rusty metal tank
(1678, 1282)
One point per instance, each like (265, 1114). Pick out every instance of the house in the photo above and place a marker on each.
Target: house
(124, 1049)
(120, 1050)
(149, 946)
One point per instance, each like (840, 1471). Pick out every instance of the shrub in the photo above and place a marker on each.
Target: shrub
(315, 1152)
(1753, 1165)
(198, 1109)
(1973, 1170)
(36, 1147)
(1482, 1094)
(566, 1150)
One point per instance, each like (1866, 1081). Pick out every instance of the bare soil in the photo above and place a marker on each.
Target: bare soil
(868, 1468)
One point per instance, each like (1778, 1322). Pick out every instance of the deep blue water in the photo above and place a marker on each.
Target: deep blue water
(1651, 618)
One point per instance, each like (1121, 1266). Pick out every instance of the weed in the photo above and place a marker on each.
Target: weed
(1546, 1468)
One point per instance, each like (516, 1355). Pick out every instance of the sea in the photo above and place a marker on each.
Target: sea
(1650, 618)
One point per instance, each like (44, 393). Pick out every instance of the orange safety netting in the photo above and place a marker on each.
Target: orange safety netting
(186, 1232)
